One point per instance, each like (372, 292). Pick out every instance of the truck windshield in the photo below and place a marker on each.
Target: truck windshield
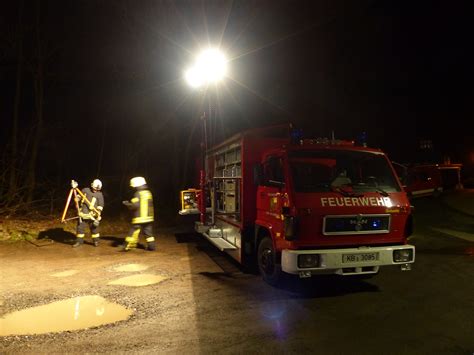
(341, 170)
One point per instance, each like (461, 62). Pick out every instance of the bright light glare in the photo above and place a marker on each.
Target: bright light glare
(212, 64)
(210, 67)
(193, 77)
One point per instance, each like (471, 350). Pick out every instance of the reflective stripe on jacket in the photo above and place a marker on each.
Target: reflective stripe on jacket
(143, 207)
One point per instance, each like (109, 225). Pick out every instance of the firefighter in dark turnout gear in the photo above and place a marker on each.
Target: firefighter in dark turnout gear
(141, 206)
(90, 214)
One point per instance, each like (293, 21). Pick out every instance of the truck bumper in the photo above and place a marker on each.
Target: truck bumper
(348, 261)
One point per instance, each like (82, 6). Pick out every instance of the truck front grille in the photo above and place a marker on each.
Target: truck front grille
(356, 224)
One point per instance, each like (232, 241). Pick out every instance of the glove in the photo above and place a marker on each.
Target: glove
(96, 215)
(126, 203)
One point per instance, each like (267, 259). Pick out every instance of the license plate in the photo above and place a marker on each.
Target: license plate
(359, 258)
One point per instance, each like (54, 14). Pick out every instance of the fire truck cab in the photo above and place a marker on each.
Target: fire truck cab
(306, 206)
(429, 179)
(421, 180)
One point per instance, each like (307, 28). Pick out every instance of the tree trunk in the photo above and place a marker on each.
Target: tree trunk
(38, 87)
(13, 179)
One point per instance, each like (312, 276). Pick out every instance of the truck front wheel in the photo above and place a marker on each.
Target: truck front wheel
(267, 262)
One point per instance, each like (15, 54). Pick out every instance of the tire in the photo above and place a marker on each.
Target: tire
(267, 262)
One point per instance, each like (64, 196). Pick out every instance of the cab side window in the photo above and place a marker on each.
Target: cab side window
(273, 172)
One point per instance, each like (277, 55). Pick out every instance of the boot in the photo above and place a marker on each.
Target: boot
(96, 242)
(127, 246)
(78, 243)
(151, 246)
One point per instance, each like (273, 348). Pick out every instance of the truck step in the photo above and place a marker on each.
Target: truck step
(189, 211)
(220, 243)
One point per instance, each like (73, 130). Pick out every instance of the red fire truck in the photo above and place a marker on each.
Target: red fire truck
(304, 206)
(420, 180)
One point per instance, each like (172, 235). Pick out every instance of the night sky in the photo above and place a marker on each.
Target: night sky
(116, 104)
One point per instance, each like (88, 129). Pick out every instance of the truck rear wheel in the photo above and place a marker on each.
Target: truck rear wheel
(267, 262)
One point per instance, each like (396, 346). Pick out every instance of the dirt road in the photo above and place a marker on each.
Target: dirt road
(163, 313)
(187, 298)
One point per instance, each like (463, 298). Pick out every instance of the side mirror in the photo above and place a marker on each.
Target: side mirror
(258, 174)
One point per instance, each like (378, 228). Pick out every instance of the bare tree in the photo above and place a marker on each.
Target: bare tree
(13, 163)
(39, 92)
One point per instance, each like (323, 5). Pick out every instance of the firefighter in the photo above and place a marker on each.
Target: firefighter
(90, 215)
(141, 206)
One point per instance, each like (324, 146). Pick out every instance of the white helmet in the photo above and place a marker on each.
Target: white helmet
(96, 184)
(137, 181)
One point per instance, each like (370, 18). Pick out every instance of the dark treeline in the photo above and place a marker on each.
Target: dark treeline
(60, 121)
(94, 89)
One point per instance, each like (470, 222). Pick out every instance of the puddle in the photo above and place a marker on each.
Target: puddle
(65, 273)
(131, 267)
(71, 314)
(138, 280)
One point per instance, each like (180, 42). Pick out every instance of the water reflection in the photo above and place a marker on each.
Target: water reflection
(276, 314)
(71, 314)
(138, 280)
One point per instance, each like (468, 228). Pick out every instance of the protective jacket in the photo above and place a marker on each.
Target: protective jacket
(142, 206)
(96, 198)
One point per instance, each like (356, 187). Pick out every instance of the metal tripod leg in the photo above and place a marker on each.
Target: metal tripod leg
(67, 206)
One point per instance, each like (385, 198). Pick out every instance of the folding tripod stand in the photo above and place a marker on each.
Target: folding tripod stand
(76, 191)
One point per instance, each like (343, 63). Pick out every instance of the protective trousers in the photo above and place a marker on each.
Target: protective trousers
(81, 231)
(131, 240)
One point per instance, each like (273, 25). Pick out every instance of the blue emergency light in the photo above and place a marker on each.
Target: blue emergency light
(376, 224)
(296, 135)
(362, 139)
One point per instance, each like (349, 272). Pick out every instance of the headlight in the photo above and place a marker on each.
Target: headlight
(308, 260)
(402, 255)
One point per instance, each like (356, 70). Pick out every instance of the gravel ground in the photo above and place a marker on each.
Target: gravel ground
(207, 305)
(160, 311)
